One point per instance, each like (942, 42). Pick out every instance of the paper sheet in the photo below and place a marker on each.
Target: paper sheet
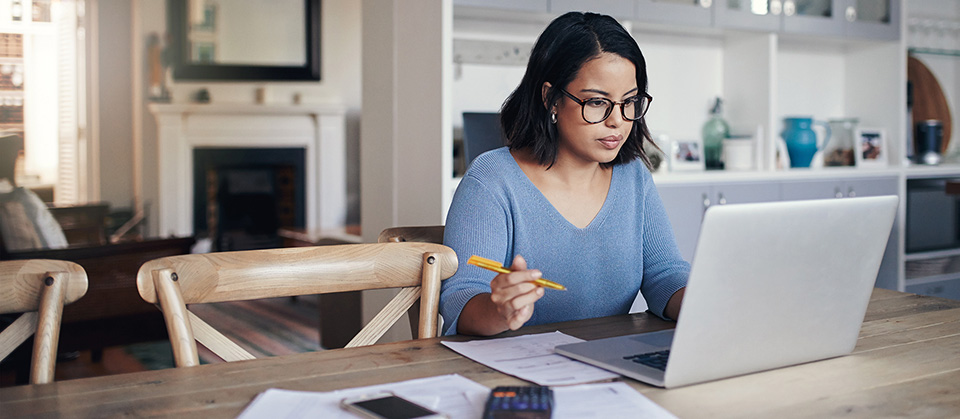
(458, 397)
(453, 395)
(531, 358)
(604, 400)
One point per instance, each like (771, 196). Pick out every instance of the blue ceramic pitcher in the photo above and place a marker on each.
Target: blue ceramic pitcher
(801, 139)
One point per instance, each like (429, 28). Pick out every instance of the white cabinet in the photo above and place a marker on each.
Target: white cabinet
(523, 6)
(697, 13)
(867, 19)
(686, 203)
(889, 275)
(767, 59)
(617, 8)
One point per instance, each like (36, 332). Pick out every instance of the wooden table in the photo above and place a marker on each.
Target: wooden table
(907, 363)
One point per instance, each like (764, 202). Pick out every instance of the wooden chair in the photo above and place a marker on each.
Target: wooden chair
(38, 288)
(420, 234)
(175, 281)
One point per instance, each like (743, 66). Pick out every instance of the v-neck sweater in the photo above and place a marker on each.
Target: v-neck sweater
(629, 246)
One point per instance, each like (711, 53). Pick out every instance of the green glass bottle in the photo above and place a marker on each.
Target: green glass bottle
(714, 131)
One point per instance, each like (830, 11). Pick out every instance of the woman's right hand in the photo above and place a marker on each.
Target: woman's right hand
(514, 293)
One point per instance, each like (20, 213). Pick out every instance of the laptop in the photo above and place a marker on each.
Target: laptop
(481, 133)
(771, 285)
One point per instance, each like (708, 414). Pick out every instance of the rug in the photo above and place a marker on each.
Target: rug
(267, 327)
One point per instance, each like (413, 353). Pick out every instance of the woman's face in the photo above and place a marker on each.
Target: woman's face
(607, 76)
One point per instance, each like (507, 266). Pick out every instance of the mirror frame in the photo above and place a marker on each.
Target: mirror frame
(184, 69)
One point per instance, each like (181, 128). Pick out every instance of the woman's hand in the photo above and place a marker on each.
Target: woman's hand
(514, 293)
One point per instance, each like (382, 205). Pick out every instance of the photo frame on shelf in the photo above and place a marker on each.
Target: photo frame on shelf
(871, 147)
(686, 155)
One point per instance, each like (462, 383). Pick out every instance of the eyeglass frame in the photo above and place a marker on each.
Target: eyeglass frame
(623, 113)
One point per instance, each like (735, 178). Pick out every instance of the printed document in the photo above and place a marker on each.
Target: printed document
(531, 358)
(453, 395)
(459, 398)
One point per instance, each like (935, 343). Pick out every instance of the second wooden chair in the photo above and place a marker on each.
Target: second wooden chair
(38, 288)
(175, 281)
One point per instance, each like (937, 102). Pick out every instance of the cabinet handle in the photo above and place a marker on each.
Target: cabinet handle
(776, 7)
(706, 202)
(789, 8)
(851, 14)
(837, 193)
(706, 3)
(722, 200)
(851, 193)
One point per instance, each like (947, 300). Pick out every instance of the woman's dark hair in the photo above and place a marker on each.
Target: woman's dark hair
(564, 46)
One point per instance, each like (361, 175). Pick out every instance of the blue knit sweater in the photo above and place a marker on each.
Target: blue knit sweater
(498, 213)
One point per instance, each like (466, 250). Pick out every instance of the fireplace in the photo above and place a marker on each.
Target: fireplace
(242, 196)
(256, 141)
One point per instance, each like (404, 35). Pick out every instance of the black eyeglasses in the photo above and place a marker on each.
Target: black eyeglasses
(598, 109)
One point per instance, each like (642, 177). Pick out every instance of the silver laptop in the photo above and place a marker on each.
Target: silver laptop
(771, 285)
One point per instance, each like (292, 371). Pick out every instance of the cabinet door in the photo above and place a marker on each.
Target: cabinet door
(525, 5)
(871, 187)
(873, 19)
(685, 205)
(793, 190)
(684, 12)
(762, 15)
(888, 275)
(815, 17)
(617, 8)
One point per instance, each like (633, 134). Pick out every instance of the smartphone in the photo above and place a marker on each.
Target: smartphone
(386, 405)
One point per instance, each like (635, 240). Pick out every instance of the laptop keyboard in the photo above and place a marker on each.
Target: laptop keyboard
(656, 360)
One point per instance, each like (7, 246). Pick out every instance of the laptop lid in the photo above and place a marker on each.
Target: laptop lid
(776, 284)
(481, 133)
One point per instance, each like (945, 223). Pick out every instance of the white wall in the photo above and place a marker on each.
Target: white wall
(115, 112)
(684, 74)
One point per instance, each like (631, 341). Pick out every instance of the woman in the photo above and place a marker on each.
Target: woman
(570, 196)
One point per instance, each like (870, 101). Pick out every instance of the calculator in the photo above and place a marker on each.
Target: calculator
(519, 402)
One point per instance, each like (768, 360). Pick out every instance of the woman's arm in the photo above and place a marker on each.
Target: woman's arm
(508, 306)
(672, 311)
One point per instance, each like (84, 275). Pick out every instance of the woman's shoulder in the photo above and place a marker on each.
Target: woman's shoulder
(636, 171)
(492, 164)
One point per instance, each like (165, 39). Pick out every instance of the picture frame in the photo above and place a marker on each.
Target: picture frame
(871, 147)
(686, 155)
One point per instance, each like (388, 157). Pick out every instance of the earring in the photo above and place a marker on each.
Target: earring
(553, 118)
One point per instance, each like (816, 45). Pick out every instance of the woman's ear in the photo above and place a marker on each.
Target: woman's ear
(544, 90)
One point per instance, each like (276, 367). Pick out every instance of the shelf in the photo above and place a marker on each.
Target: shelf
(715, 176)
(934, 254)
(931, 279)
(932, 51)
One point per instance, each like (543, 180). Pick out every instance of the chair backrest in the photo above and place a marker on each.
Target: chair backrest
(420, 234)
(38, 288)
(175, 281)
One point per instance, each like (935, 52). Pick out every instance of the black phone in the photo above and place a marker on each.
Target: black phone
(386, 405)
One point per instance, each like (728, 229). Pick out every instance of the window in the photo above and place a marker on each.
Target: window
(41, 64)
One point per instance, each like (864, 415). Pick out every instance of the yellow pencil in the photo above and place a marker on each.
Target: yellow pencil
(492, 265)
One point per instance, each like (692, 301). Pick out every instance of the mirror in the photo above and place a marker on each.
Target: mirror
(245, 40)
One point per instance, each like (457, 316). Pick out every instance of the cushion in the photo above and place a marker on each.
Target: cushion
(26, 208)
(16, 229)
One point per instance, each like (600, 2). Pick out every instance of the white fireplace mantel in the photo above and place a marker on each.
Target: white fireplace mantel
(319, 129)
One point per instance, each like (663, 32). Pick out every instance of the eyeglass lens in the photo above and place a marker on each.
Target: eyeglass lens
(598, 109)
